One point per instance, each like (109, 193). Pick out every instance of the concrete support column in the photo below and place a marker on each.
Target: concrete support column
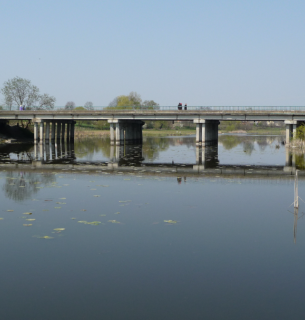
(294, 130)
(118, 134)
(206, 132)
(63, 129)
(291, 130)
(111, 133)
(36, 132)
(47, 135)
(68, 131)
(141, 131)
(53, 132)
(58, 134)
(122, 134)
(72, 130)
(198, 133)
(41, 132)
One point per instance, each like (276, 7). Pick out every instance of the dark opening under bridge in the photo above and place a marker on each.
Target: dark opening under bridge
(126, 124)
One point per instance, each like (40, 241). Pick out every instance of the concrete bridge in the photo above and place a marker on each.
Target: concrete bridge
(126, 125)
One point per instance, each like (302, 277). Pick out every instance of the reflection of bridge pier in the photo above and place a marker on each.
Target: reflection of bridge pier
(290, 163)
(126, 155)
(44, 152)
(206, 157)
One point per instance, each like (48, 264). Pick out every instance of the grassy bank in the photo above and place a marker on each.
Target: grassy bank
(262, 131)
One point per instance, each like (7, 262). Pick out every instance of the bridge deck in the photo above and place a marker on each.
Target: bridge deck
(182, 115)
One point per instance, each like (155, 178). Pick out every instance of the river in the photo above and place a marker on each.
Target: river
(159, 231)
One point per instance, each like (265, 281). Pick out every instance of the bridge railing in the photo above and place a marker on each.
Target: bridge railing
(170, 108)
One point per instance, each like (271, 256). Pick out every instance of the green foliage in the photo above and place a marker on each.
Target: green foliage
(300, 132)
(132, 101)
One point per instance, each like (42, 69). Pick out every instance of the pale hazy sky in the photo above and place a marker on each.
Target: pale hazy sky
(215, 52)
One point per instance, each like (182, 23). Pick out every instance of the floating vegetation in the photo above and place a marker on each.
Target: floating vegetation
(117, 213)
(27, 225)
(30, 219)
(45, 237)
(170, 221)
(59, 229)
(113, 221)
(94, 223)
(9, 210)
(1, 218)
(27, 213)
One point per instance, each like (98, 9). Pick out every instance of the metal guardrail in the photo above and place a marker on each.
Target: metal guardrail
(172, 108)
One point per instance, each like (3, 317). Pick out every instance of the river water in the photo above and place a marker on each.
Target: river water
(159, 231)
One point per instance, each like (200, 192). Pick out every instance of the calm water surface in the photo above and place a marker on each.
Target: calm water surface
(140, 244)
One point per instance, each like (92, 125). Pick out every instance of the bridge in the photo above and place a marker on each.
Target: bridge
(126, 124)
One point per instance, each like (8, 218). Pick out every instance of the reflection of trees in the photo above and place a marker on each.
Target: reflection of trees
(248, 147)
(22, 185)
(152, 147)
(23, 150)
(300, 161)
(87, 147)
(229, 142)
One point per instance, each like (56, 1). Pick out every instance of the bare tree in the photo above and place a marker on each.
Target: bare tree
(19, 91)
(70, 105)
(46, 102)
(113, 103)
(89, 105)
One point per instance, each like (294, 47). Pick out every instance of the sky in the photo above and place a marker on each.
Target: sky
(199, 52)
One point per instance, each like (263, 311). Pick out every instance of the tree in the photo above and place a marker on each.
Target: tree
(19, 91)
(89, 105)
(46, 102)
(70, 105)
(151, 104)
(132, 100)
(113, 103)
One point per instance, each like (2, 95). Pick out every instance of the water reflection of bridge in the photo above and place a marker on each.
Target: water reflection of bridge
(130, 159)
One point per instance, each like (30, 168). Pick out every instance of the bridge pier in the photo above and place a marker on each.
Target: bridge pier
(42, 134)
(291, 129)
(126, 131)
(206, 132)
